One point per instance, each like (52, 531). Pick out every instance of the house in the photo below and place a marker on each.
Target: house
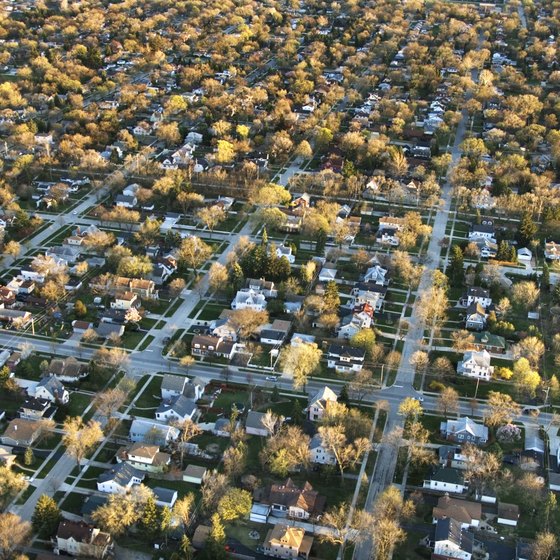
(9, 316)
(69, 369)
(360, 318)
(319, 454)
(254, 425)
(508, 514)
(165, 497)
(388, 236)
(477, 295)
(476, 364)
(327, 274)
(126, 201)
(467, 514)
(283, 251)
(484, 230)
(288, 500)
(223, 328)
(105, 330)
(21, 432)
(488, 249)
(276, 333)
(145, 430)
(345, 358)
(370, 293)
(299, 338)
(35, 409)
(265, 287)
(51, 389)
(119, 479)
(464, 430)
(319, 402)
(205, 345)
(178, 409)
(492, 343)
(450, 541)
(7, 296)
(77, 538)
(249, 299)
(259, 513)
(173, 386)
(283, 541)
(452, 456)
(376, 274)
(144, 457)
(475, 317)
(125, 301)
(552, 250)
(446, 479)
(194, 474)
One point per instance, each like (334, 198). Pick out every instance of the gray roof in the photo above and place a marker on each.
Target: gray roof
(105, 329)
(164, 495)
(121, 473)
(465, 425)
(449, 529)
(254, 420)
(448, 474)
(52, 385)
(173, 382)
(180, 405)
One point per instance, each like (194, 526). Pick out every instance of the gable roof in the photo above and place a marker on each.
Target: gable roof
(323, 397)
(180, 405)
(466, 425)
(122, 474)
(173, 382)
(462, 511)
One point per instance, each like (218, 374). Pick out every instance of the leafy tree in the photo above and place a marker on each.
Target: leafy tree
(218, 277)
(410, 408)
(300, 362)
(193, 253)
(80, 308)
(525, 378)
(11, 483)
(217, 539)
(331, 297)
(46, 517)
(28, 457)
(235, 504)
(149, 521)
(211, 216)
(501, 409)
(455, 270)
(79, 437)
(364, 339)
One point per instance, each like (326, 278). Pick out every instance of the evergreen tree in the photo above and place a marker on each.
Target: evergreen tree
(46, 517)
(503, 252)
(455, 270)
(28, 457)
(344, 397)
(149, 522)
(331, 297)
(236, 276)
(217, 539)
(526, 230)
(297, 413)
(165, 519)
(185, 548)
(264, 239)
(545, 278)
(321, 241)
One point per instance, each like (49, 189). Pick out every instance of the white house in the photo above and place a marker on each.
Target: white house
(249, 299)
(446, 479)
(524, 255)
(119, 479)
(178, 408)
(259, 513)
(345, 358)
(283, 251)
(478, 295)
(377, 274)
(144, 457)
(450, 541)
(194, 474)
(476, 364)
(173, 386)
(319, 402)
(143, 429)
(552, 250)
(125, 301)
(319, 453)
(484, 230)
(51, 389)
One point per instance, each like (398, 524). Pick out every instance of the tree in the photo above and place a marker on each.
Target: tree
(501, 409)
(183, 509)
(544, 546)
(80, 438)
(235, 460)
(482, 467)
(527, 230)
(214, 486)
(304, 150)
(28, 457)
(364, 339)
(216, 539)
(456, 270)
(342, 528)
(286, 451)
(300, 362)
(235, 504)
(120, 512)
(46, 517)
(132, 315)
(420, 361)
(525, 378)
(347, 454)
(14, 533)
(12, 249)
(225, 152)
(189, 430)
(149, 520)
(525, 294)
(361, 383)
(169, 133)
(247, 321)
(531, 348)
(410, 408)
(432, 306)
(211, 216)
(79, 308)
(193, 252)
(11, 483)
(218, 277)
(331, 299)
(448, 401)
(176, 287)
(109, 401)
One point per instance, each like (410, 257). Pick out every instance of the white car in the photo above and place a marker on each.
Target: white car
(271, 378)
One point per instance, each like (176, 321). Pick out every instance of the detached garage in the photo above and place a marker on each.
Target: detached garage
(259, 513)
(194, 474)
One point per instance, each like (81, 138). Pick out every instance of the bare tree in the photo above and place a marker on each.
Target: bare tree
(14, 533)
(448, 401)
(79, 437)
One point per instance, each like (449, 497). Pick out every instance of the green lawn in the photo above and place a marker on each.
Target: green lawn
(150, 397)
(73, 503)
(78, 403)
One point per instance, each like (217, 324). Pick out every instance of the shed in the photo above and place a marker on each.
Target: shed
(165, 496)
(194, 474)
